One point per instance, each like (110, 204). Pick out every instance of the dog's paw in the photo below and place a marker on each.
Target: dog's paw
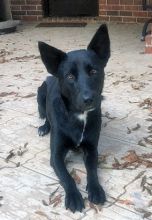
(43, 130)
(96, 194)
(74, 201)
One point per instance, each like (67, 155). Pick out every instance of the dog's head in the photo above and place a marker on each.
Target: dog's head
(80, 72)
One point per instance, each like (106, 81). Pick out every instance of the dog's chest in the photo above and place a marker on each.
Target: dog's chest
(83, 119)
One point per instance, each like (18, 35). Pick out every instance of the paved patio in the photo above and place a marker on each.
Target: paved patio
(29, 188)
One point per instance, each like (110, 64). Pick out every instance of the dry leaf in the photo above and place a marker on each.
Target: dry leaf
(136, 128)
(52, 194)
(45, 203)
(27, 96)
(129, 130)
(131, 157)
(148, 155)
(102, 158)
(125, 202)
(147, 214)
(116, 164)
(42, 214)
(57, 198)
(141, 143)
(18, 164)
(143, 181)
(3, 94)
(147, 140)
(107, 115)
(11, 154)
(149, 119)
(57, 202)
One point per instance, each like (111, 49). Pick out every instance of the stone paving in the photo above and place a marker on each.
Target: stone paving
(29, 188)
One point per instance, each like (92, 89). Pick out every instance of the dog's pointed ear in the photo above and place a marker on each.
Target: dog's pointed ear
(51, 57)
(100, 44)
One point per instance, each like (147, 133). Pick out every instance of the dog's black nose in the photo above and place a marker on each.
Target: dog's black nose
(87, 100)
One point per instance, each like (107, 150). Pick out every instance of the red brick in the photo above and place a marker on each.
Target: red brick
(18, 12)
(113, 2)
(129, 20)
(125, 13)
(105, 18)
(34, 12)
(111, 7)
(117, 7)
(113, 13)
(39, 7)
(137, 2)
(140, 13)
(102, 12)
(17, 2)
(116, 18)
(149, 14)
(33, 2)
(28, 7)
(17, 17)
(131, 7)
(15, 7)
(126, 2)
(141, 20)
(29, 17)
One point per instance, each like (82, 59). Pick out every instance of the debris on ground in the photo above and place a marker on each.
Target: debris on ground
(41, 213)
(129, 130)
(133, 160)
(1, 198)
(138, 85)
(125, 202)
(53, 199)
(146, 103)
(146, 185)
(10, 155)
(22, 150)
(4, 94)
(107, 115)
(75, 176)
(102, 158)
(19, 152)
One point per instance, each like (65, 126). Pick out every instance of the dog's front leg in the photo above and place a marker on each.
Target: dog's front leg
(96, 193)
(73, 198)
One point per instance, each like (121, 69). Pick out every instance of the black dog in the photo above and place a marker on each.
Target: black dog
(70, 100)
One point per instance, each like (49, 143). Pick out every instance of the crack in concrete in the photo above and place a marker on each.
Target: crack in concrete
(8, 121)
(125, 188)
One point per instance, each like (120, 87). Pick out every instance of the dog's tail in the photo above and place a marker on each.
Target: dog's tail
(41, 99)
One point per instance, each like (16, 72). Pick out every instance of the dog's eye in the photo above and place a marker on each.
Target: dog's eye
(70, 77)
(92, 72)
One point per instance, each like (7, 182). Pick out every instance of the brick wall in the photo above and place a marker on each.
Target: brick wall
(28, 10)
(125, 11)
(109, 10)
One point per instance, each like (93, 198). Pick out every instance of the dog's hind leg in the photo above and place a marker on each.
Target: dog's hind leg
(44, 129)
(41, 99)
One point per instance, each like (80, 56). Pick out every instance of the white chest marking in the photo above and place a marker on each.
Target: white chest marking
(82, 117)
